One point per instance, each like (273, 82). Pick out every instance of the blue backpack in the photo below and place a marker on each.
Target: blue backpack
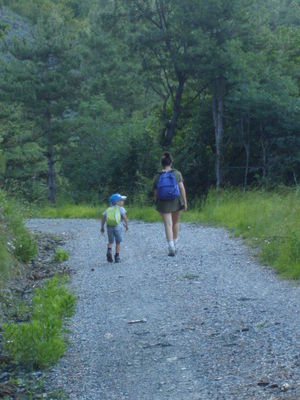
(167, 186)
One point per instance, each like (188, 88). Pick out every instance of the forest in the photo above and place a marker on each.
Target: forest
(92, 92)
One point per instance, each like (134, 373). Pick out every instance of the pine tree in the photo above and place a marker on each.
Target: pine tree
(41, 74)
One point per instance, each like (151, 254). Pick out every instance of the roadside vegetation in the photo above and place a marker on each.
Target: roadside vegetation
(61, 255)
(34, 302)
(16, 243)
(40, 342)
(268, 220)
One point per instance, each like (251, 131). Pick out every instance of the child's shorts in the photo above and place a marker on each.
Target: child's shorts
(114, 233)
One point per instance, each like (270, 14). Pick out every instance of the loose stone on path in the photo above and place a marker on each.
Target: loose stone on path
(210, 323)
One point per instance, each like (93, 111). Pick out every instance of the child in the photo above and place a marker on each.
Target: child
(113, 217)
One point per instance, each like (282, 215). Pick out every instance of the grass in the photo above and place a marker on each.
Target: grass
(16, 243)
(61, 255)
(40, 342)
(135, 212)
(270, 220)
(69, 211)
(38, 339)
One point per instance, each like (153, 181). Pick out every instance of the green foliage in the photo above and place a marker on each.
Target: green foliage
(2, 165)
(25, 164)
(40, 342)
(34, 344)
(6, 260)
(147, 214)
(136, 212)
(14, 238)
(61, 255)
(70, 211)
(85, 110)
(39, 78)
(53, 299)
(23, 244)
(2, 29)
(33, 8)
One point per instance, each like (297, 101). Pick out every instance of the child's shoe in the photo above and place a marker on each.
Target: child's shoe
(109, 256)
(117, 258)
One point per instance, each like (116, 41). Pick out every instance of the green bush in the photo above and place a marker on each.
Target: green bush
(41, 342)
(55, 299)
(25, 247)
(5, 257)
(34, 344)
(61, 255)
(2, 164)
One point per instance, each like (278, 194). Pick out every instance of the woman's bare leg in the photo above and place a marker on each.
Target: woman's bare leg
(175, 224)
(167, 218)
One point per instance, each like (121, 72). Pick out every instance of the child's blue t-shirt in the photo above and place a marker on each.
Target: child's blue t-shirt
(122, 212)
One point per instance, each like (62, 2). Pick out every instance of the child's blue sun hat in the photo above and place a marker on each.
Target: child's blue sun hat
(116, 197)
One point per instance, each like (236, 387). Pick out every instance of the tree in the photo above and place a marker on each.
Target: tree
(263, 102)
(232, 28)
(168, 50)
(107, 67)
(90, 88)
(41, 74)
(2, 158)
(25, 166)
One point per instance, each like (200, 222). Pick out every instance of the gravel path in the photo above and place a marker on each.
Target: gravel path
(214, 323)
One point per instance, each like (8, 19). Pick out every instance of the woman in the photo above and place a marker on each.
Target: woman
(170, 199)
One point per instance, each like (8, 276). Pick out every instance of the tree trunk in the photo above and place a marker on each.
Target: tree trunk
(246, 144)
(264, 157)
(218, 113)
(264, 154)
(176, 111)
(51, 163)
(295, 177)
(164, 119)
(51, 176)
(247, 150)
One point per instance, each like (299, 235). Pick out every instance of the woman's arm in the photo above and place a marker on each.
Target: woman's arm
(155, 195)
(183, 194)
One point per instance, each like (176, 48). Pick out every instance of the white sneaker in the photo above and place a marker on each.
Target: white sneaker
(176, 246)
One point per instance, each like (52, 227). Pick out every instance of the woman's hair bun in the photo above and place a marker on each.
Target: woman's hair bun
(166, 159)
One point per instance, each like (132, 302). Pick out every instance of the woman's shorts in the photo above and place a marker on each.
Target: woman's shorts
(170, 206)
(114, 233)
